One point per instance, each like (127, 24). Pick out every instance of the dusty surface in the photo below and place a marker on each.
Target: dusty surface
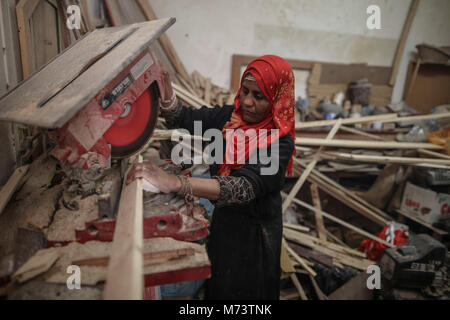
(66, 221)
(32, 207)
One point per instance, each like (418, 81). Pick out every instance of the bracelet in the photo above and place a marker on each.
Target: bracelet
(171, 102)
(186, 189)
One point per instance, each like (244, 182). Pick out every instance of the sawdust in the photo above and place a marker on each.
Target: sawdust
(90, 275)
(65, 221)
(33, 205)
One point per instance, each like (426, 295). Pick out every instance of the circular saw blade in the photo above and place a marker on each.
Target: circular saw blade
(129, 134)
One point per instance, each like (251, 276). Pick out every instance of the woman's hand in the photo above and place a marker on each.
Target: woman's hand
(162, 180)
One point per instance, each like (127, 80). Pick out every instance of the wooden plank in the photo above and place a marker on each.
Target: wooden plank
(36, 265)
(428, 162)
(418, 118)
(311, 254)
(365, 144)
(68, 84)
(298, 259)
(333, 246)
(299, 287)
(434, 154)
(310, 167)
(402, 42)
(207, 94)
(11, 186)
(356, 262)
(343, 223)
(125, 271)
(24, 11)
(319, 292)
(320, 227)
(296, 227)
(368, 119)
(183, 94)
(362, 133)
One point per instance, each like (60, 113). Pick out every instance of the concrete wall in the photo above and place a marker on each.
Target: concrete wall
(209, 32)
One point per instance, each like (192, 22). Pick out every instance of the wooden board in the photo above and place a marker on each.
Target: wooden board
(320, 226)
(125, 270)
(402, 42)
(10, 187)
(68, 84)
(365, 144)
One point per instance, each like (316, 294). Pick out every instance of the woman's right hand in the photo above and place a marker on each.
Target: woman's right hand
(156, 176)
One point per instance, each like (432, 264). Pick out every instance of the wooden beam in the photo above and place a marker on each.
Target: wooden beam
(299, 287)
(299, 260)
(402, 42)
(125, 271)
(296, 227)
(365, 144)
(418, 118)
(383, 118)
(362, 133)
(190, 98)
(383, 159)
(319, 219)
(323, 123)
(11, 186)
(337, 256)
(434, 154)
(310, 167)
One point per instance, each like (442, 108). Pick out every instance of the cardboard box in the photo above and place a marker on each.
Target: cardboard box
(424, 204)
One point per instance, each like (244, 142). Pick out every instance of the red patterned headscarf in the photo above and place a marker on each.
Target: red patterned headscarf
(276, 81)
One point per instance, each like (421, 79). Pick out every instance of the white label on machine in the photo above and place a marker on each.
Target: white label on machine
(142, 66)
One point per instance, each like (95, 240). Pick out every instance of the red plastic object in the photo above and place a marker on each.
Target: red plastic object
(375, 249)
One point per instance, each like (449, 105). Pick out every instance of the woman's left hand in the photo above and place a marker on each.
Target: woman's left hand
(156, 176)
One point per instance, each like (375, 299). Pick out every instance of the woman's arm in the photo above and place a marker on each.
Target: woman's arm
(179, 116)
(167, 183)
(225, 190)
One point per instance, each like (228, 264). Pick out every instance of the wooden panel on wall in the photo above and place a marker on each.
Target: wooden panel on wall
(430, 88)
(38, 33)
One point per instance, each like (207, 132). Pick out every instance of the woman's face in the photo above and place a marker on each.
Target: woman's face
(254, 104)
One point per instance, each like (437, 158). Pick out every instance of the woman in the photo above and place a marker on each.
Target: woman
(246, 230)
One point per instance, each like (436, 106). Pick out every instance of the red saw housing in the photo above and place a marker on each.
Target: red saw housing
(118, 121)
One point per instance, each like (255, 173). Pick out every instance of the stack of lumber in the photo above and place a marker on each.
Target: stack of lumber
(368, 207)
(211, 93)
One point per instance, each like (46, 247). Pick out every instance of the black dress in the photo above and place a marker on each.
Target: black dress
(245, 240)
